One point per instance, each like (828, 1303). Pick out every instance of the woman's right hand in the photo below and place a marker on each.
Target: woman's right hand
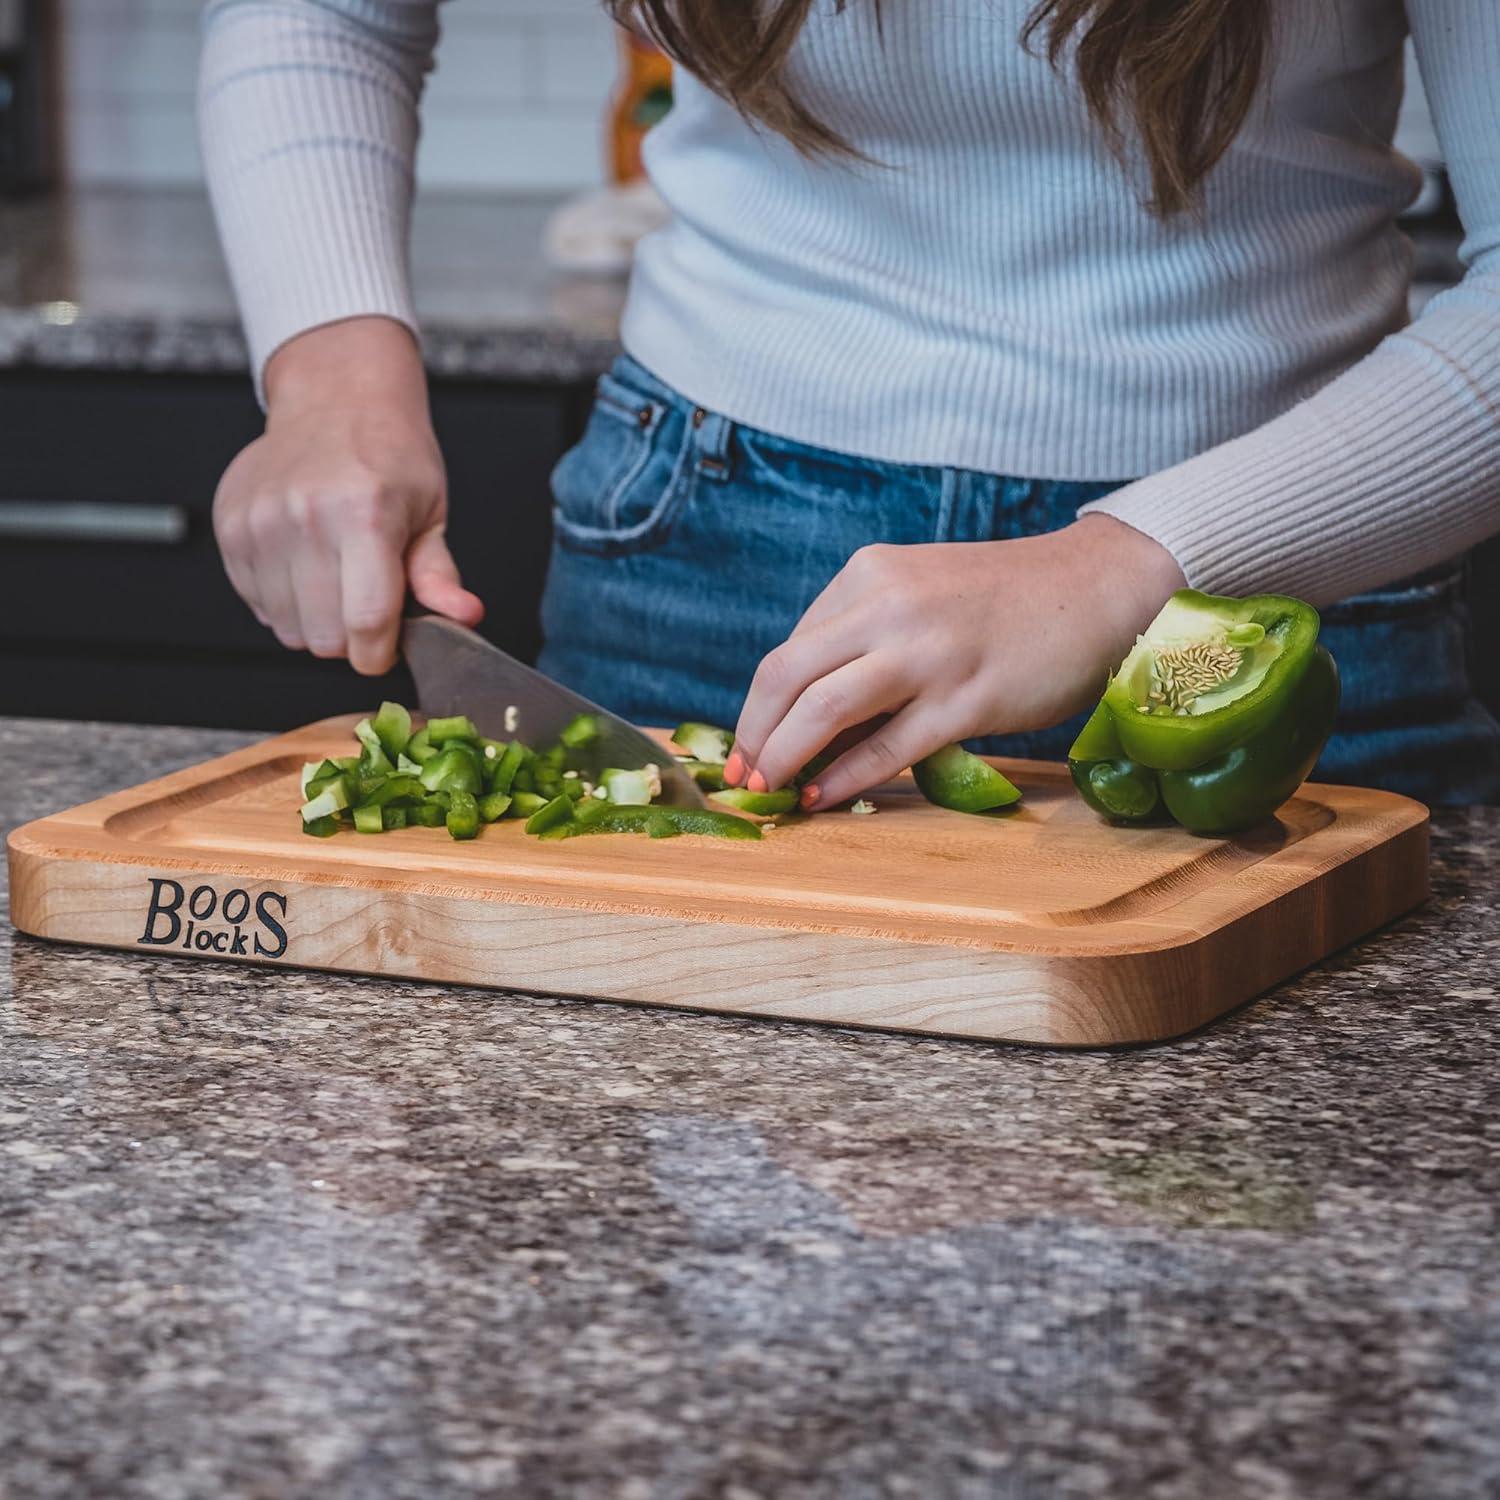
(325, 520)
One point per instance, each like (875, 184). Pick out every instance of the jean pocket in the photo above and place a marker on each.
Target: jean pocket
(617, 490)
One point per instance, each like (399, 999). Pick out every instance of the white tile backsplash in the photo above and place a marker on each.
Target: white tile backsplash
(517, 100)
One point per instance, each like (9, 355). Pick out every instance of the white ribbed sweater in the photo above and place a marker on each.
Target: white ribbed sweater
(991, 295)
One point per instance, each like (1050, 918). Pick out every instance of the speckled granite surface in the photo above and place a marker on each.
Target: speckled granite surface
(270, 1234)
(133, 280)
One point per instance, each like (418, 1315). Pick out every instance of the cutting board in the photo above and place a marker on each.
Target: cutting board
(1041, 924)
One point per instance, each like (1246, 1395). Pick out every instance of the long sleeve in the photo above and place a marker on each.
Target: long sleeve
(308, 116)
(1395, 465)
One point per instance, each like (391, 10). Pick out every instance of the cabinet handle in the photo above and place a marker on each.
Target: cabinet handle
(92, 521)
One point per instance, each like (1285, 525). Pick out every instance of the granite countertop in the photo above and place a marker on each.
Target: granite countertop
(268, 1233)
(133, 280)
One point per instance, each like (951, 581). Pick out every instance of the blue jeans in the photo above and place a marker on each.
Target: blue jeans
(687, 546)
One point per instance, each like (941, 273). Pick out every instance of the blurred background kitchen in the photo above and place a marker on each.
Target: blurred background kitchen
(123, 384)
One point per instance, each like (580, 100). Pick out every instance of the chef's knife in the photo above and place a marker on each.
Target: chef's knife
(459, 672)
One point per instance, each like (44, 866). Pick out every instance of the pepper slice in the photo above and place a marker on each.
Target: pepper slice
(451, 770)
(953, 777)
(558, 810)
(1209, 673)
(704, 742)
(709, 776)
(1235, 790)
(463, 816)
(503, 772)
(582, 731)
(762, 804)
(454, 727)
(392, 726)
(1112, 784)
(659, 822)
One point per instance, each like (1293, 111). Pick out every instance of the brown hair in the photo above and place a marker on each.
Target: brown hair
(1182, 72)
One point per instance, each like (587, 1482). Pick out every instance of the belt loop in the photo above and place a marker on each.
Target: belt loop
(711, 435)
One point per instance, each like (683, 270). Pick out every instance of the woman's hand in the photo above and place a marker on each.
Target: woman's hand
(910, 648)
(324, 520)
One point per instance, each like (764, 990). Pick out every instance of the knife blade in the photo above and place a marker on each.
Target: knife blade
(458, 671)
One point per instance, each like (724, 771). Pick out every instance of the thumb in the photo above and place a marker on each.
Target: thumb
(434, 580)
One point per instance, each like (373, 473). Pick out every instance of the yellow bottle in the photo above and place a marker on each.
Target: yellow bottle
(642, 97)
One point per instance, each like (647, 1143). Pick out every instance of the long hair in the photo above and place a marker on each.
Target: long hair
(1180, 75)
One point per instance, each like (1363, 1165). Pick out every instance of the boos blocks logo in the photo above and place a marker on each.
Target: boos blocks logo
(200, 922)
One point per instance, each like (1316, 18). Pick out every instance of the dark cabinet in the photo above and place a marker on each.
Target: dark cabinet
(115, 602)
(115, 605)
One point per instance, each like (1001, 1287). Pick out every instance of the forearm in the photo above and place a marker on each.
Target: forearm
(1396, 465)
(1390, 469)
(308, 119)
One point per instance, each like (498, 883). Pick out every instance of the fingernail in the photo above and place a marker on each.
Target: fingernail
(757, 782)
(810, 795)
(734, 768)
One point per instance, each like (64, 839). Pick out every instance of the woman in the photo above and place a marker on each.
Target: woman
(977, 330)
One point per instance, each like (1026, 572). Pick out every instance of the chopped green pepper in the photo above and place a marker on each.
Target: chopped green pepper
(420, 747)
(463, 815)
(319, 771)
(493, 806)
(451, 770)
(375, 762)
(704, 742)
(524, 804)
(659, 822)
(341, 783)
(328, 803)
(503, 772)
(626, 788)
(708, 775)
(953, 777)
(584, 730)
(365, 733)
(446, 773)
(454, 727)
(762, 804)
(394, 787)
(1221, 709)
(369, 819)
(392, 728)
(558, 810)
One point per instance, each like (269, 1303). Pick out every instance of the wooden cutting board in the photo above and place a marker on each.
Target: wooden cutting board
(1043, 924)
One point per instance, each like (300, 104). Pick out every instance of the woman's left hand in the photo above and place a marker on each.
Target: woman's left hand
(913, 647)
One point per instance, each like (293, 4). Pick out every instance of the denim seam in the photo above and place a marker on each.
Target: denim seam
(669, 503)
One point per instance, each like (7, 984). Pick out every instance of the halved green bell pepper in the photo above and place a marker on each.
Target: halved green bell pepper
(1110, 782)
(1208, 673)
(1216, 716)
(1240, 787)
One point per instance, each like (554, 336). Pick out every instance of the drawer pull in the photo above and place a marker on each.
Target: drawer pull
(91, 521)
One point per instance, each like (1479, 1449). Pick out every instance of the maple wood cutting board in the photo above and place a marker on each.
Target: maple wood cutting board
(1040, 925)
